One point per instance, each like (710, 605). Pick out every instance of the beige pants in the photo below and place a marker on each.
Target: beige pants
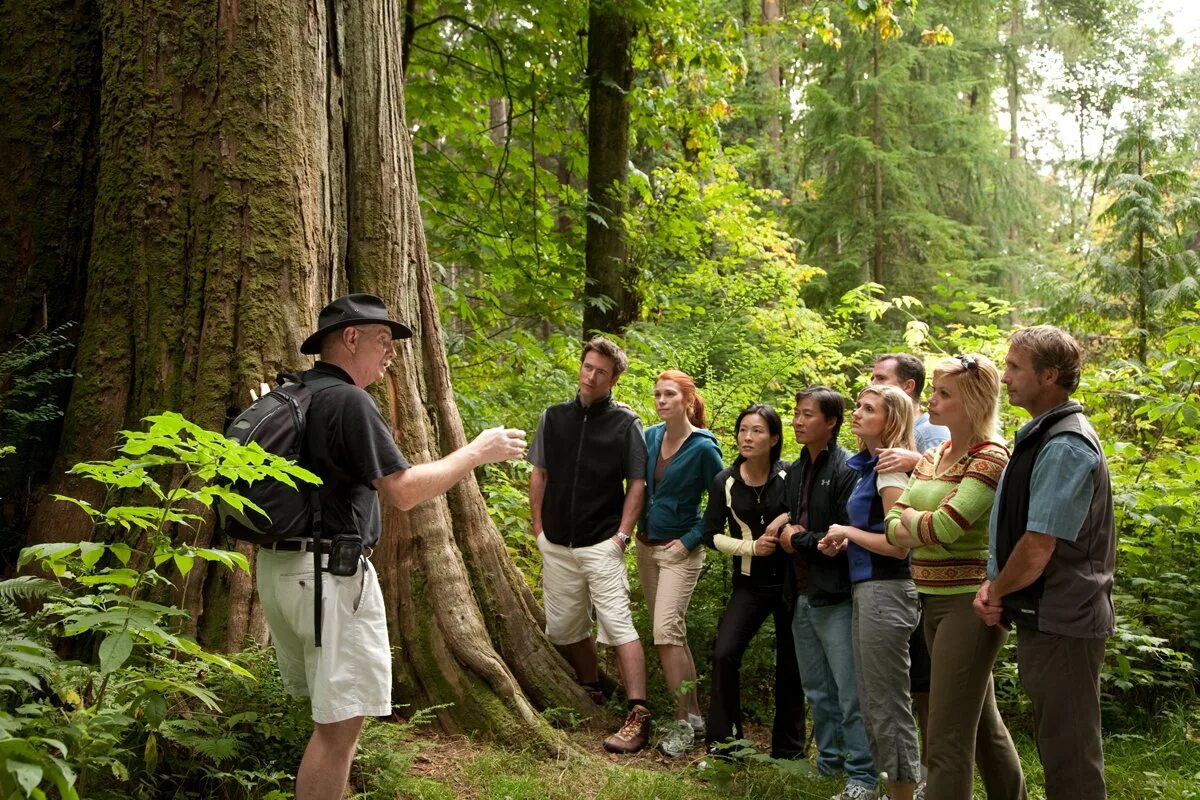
(668, 579)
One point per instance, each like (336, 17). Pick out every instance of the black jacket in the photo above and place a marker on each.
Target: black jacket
(833, 482)
(587, 455)
(746, 519)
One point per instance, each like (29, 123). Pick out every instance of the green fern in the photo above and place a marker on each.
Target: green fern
(26, 587)
(202, 739)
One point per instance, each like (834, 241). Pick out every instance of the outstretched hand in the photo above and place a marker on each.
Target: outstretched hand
(499, 444)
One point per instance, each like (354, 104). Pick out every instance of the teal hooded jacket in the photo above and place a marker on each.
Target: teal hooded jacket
(672, 509)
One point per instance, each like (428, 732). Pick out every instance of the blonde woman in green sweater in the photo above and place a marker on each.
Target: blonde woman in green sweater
(942, 516)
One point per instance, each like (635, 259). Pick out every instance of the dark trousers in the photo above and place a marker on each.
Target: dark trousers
(1061, 675)
(744, 615)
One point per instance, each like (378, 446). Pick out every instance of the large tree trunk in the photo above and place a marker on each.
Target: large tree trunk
(611, 300)
(49, 77)
(251, 168)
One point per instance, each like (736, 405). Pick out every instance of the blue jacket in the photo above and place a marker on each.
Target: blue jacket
(865, 510)
(672, 509)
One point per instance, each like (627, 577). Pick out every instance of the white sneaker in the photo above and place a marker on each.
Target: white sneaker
(678, 738)
(854, 791)
(919, 792)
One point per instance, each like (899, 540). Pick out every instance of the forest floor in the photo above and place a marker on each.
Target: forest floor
(400, 763)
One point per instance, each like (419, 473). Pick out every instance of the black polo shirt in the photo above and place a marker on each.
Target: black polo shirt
(348, 444)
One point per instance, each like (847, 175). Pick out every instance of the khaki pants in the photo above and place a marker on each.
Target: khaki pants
(576, 580)
(964, 723)
(668, 579)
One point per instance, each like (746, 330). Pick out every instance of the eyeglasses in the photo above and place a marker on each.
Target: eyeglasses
(968, 362)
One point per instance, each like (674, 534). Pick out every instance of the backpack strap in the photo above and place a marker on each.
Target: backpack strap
(314, 386)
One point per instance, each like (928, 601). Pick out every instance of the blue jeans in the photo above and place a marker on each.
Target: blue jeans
(825, 652)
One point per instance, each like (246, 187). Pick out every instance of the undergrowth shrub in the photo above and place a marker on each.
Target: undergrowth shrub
(138, 706)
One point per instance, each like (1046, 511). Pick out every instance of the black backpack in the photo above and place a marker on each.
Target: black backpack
(276, 422)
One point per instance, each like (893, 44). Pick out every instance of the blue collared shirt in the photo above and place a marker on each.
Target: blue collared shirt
(927, 434)
(1060, 491)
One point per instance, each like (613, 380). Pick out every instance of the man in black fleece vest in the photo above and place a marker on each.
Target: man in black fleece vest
(1053, 550)
(585, 496)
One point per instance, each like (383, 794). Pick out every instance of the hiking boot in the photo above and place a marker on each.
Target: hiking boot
(919, 792)
(634, 734)
(678, 738)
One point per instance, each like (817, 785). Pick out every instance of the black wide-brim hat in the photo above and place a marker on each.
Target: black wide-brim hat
(353, 309)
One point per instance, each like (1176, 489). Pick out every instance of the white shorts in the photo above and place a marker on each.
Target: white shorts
(577, 579)
(350, 674)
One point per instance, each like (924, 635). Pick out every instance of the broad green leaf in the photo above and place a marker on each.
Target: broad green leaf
(183, 563)
(27, 774)
(115, 650)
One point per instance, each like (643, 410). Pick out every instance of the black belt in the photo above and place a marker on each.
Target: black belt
(300, 545)
(308, 546)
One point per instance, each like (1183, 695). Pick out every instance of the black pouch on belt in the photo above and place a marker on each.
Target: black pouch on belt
(345, 552)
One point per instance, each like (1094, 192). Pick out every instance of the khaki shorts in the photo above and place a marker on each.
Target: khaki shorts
(577, 579)
(668, 579)
(350, 674)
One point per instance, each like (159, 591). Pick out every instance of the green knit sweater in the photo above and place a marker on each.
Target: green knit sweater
(953, 522)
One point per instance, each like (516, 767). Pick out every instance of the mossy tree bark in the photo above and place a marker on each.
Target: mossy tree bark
(253, 165)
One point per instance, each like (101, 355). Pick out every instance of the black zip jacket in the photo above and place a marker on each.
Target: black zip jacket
(833, 483)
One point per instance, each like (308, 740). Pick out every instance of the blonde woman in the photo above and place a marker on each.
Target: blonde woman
(886, 610)
(942, 516)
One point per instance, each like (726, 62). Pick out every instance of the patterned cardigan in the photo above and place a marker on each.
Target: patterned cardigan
(953, 520)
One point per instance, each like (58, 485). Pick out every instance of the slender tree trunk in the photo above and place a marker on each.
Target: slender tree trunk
(1012, 64)
(878, 263)
(611, 300)
(251, 167)
(1143, 305)
(774, 78)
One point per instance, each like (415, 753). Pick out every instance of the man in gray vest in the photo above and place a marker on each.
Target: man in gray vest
(1053, 550)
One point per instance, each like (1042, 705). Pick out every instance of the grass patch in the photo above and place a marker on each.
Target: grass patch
(1162, 761)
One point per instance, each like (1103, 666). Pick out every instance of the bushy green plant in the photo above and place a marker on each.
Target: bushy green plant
(96, 726)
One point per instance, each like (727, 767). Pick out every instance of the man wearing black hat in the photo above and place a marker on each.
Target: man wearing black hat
(350, 446)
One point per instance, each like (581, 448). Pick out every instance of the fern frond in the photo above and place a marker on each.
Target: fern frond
(25, 587)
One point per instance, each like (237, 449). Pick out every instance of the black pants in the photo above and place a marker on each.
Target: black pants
(744, 615)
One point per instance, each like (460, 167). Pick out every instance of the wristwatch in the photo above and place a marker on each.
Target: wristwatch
(624, 537)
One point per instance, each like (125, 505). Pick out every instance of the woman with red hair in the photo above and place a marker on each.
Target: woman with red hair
(682, 459)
